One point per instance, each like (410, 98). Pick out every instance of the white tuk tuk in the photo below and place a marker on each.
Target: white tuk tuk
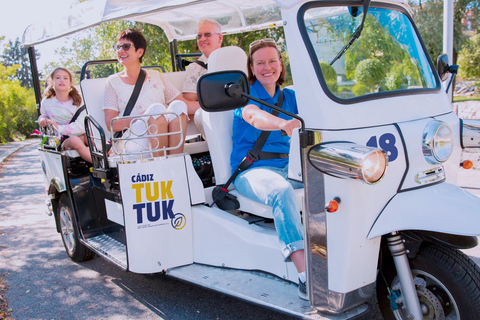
(368, 97)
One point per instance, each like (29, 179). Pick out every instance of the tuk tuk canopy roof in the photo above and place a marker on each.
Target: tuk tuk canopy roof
(178, 18)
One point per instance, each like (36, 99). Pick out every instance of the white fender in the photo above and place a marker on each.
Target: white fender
(442, 208)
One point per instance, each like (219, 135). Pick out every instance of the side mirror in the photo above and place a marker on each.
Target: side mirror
(442, 66)
(223, 91)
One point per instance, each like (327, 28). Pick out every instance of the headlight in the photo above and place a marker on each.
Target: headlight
(349, 160)
(437, 142)
(374, 166)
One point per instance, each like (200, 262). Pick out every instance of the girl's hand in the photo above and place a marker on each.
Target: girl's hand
(42, 122)
(289, 125)
(53, 123)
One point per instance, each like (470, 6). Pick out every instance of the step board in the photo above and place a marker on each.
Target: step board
(110, 248)
(258, 288)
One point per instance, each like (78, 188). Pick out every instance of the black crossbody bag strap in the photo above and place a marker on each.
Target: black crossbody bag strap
(133, 98)
(220, 194)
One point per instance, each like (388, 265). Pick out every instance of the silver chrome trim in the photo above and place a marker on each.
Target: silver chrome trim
(431, 175)
(344, 159)
(470, 133)
(428, 141)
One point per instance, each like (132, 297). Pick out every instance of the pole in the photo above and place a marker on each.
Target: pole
(448, 35)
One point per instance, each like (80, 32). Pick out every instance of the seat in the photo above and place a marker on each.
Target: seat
(219, 131)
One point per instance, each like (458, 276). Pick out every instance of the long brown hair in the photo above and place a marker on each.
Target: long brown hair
(73, 93)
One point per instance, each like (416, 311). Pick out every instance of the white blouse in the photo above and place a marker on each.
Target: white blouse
(155, 89)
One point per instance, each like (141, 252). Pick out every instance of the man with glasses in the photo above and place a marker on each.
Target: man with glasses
(209, 39)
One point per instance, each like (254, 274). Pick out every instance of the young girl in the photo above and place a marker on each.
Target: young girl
(59, 105)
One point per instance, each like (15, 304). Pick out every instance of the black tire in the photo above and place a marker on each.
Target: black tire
(69, 232)
(447, 280)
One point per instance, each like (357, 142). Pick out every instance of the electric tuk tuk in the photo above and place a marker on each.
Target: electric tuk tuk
(378, 153)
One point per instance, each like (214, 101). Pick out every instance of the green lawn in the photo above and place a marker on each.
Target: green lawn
(465, 98)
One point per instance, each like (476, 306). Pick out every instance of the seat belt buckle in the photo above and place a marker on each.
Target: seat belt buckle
(245, 164)
(251, 157)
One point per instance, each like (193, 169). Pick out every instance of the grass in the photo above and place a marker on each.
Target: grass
(466, 98)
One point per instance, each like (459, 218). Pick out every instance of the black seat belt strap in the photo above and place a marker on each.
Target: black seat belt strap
(220, 194)
(201, 64)
(77, 113)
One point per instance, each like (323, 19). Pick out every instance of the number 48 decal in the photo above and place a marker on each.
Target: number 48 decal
(387, 143)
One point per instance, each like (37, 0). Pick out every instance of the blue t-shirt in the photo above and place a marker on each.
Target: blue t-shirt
(245, 135)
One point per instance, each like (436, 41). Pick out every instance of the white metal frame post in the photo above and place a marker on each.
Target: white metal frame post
(448, 35)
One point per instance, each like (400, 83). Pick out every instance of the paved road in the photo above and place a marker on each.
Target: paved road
(46, 284)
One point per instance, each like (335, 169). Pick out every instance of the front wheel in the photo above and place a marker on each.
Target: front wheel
(447, 282)
(69, 231)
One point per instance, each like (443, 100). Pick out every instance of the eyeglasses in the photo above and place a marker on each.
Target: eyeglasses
(257, 42)
(125, 46)
(206, 35)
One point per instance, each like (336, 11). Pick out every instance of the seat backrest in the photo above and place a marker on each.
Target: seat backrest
(93, 91)
(218, 125)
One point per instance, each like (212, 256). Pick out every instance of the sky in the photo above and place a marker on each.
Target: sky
(17, 15)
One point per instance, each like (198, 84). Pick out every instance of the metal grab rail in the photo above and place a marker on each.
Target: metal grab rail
(132, 136)
(95, 134)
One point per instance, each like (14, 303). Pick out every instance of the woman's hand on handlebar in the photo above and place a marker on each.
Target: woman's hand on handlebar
(289, 125)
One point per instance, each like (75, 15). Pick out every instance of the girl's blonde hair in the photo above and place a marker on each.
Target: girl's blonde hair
(50, 91)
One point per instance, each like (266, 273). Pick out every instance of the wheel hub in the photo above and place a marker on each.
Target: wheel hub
(430, 305)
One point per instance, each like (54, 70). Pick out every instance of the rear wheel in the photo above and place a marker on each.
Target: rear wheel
(69, 231)
(447, 282)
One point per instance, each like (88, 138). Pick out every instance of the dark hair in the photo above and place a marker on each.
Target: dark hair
(73, 93)
(260, 45)
(136, 37)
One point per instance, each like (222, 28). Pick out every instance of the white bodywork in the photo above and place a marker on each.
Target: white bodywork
(402, 200)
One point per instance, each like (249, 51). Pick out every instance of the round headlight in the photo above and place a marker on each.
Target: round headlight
(437, 142)
(374, 166)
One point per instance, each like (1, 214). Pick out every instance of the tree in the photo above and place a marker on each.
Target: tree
(469, 58)
(17, 106)
(429, 20)
(15, 54)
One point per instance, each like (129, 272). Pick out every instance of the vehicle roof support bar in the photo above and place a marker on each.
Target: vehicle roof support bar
(35, 77)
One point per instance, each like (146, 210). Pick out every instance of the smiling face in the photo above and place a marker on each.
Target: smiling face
(208, 44)
(266, 66)
(62, 81)
(130, 56)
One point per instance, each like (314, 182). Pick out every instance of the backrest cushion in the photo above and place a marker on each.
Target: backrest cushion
(218, 125)
(93, 91)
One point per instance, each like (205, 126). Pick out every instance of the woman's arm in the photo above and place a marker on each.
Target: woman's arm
(265, 121)
(118, 125)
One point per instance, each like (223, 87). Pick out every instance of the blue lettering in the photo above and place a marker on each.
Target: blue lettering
(139, 207)
(167, 209)
(150, 216)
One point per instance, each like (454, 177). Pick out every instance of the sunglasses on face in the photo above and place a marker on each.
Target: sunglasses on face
(206, 35)
(257, 42)
(125, 46)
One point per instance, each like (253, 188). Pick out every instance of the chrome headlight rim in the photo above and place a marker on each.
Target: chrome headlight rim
(437, 133)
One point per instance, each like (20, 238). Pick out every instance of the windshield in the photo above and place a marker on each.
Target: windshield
(387, 57)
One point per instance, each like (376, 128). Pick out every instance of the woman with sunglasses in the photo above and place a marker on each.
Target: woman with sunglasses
(266, 180)
(157, 95)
